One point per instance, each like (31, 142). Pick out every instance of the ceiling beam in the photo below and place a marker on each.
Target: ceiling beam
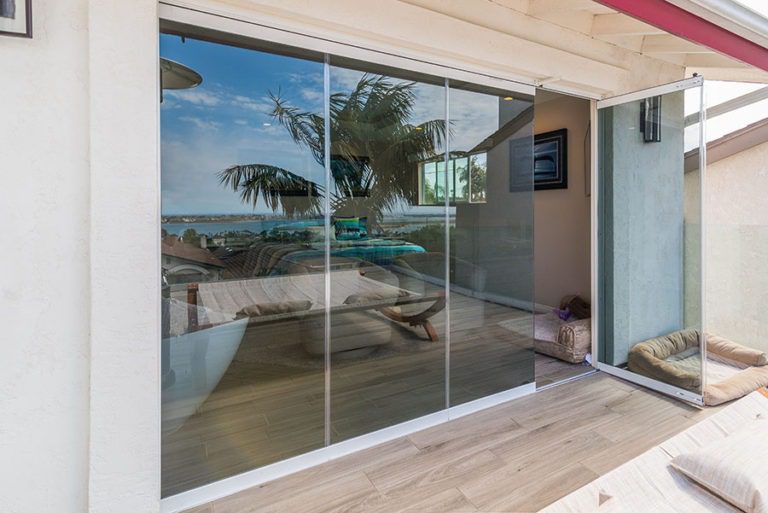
(621, 25)
(671, 44)
(712, 60)
(677, 21)
(545, 6)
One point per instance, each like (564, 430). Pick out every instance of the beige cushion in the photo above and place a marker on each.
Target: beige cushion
(262, 309)
(731, 351)
(733, 468)
(376, 296)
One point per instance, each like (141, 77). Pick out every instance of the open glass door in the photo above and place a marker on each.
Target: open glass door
(650, 312)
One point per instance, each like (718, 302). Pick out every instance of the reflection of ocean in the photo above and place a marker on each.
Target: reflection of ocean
(238, 226)
(400, 224)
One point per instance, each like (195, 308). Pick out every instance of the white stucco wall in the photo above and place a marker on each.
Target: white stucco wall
(44, 204)
(736, 248)
(78, 362)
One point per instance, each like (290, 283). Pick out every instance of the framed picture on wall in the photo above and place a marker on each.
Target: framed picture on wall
(550, 160)
(16, 18)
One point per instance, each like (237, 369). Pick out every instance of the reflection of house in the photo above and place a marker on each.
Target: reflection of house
(183, 261)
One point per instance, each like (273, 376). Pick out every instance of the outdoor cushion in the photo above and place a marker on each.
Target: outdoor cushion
(733, 370)
(732, 468)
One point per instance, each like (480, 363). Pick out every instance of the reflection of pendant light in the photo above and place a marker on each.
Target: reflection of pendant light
(177, 76)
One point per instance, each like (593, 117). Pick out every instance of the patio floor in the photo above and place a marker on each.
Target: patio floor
(517, 457)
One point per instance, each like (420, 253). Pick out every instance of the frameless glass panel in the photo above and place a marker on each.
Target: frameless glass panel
(387, 271)
(243, 260)
(491, 241)
(650, 238)
(736, 221)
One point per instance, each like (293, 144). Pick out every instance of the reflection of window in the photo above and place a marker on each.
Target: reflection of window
(465, 180)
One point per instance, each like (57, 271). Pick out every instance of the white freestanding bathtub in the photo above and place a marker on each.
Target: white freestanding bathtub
(198, 360)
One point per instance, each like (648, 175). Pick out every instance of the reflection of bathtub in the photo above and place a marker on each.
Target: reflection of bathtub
(198, 360)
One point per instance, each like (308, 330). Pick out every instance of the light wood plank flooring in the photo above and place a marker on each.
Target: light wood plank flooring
(517, 457)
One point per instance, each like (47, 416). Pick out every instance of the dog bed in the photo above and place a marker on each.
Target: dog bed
(733, 370)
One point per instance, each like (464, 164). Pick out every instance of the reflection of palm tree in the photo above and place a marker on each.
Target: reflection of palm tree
(375, 153)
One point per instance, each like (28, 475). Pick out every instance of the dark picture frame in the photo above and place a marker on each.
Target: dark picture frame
(550, 160)
(10, 12)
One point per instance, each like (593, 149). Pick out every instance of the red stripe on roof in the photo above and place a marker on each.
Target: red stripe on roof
(682, 23)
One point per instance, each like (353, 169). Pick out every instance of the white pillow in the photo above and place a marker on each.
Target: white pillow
(734, 468)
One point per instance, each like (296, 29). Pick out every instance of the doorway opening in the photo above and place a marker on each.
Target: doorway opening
(562, 227)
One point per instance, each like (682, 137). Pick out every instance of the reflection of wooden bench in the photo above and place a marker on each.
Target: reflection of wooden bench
(230, 297)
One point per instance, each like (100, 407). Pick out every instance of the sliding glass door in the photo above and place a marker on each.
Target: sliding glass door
(491, 242)
(346, 246)
(650, 238)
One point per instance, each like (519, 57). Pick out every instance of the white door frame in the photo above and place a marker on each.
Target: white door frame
(681, 85)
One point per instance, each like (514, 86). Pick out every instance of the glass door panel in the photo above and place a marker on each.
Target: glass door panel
(491, 242)
(650, 236)
(243, 385)
(387, 250)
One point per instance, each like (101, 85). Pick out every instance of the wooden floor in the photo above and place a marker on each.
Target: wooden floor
(551, 370)
(517, 457)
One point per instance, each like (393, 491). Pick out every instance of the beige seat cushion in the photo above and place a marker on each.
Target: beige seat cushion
(263, 309)
(732, 468)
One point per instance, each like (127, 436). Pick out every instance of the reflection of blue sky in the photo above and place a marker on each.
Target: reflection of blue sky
(222, 122)
(226, 121)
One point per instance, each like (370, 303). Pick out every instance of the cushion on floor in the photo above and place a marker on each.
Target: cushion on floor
(567, 341)
(675, 359)
(732, 468)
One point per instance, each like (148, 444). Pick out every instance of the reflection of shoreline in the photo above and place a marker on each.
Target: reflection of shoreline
(216, 225)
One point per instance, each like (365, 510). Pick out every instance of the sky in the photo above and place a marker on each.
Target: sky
(226, 120)
(759, 6)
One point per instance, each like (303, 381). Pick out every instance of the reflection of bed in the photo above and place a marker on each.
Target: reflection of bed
(274, 258)
(733, 370)
(196, 360)
(350, 292)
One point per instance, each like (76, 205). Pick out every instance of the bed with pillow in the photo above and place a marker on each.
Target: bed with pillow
(733, 370)
(718, 465)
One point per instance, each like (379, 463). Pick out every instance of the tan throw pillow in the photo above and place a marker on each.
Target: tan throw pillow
(261, 309)
(733, 468)
(375, 296)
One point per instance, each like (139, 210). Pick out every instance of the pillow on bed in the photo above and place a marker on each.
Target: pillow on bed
(374, 296)
(733, 468)
(346, 228)
(261, 309)
(350, 228)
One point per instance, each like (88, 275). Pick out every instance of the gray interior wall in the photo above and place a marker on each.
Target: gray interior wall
(642, 231)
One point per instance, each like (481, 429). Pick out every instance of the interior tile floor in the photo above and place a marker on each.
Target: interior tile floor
(516, 457)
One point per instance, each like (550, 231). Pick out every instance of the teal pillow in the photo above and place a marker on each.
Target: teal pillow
(347, 228)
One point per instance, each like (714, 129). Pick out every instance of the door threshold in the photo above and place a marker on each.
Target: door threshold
(567, 380)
